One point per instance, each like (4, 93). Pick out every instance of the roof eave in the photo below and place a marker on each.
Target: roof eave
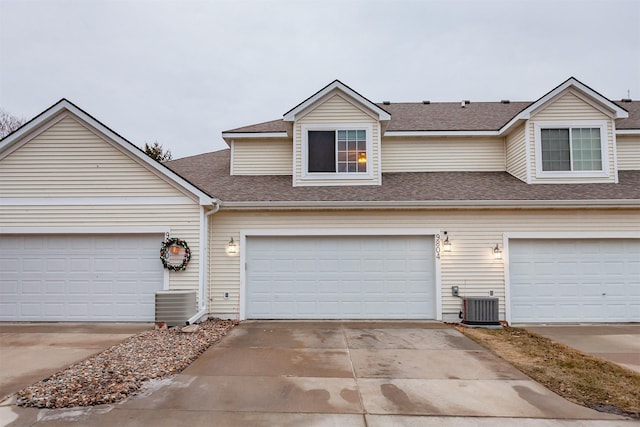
(261, 135)
(627, 131)
(436, 204)
(442, 133)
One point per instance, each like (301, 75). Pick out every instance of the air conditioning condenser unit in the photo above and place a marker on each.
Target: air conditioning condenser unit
(480, 311)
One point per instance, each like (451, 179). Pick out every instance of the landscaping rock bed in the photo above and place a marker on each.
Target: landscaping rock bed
(120, 371)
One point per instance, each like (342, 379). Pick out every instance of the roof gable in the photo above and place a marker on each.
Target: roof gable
(579, 89)
(63, 110)
(336, 86)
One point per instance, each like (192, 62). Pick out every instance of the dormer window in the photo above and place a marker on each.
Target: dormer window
(571, 149)
(336, 152)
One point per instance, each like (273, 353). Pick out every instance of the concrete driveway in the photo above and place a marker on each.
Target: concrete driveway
(30, 352)
(338, 374)
(619, 343)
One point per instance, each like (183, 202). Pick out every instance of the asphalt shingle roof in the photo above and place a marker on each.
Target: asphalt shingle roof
(450, 116)
(633, 121)
(210, 172)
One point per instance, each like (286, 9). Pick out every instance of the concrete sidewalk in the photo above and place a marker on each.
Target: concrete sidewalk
(338, 374)
(30, 352)
(617, 343)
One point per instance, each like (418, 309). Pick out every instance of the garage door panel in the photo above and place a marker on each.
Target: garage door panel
(340, 277)
(30, 287)
(583, 280)
(80, 264)
(80, 277)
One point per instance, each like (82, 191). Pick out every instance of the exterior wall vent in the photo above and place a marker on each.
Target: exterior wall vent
(480, 311)
(175, 308)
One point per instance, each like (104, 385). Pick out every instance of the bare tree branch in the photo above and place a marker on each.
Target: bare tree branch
(9, 123)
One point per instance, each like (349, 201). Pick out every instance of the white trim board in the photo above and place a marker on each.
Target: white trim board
(572, 235)
(627, 131)
(340, 232)
(84, 230)
(93, 201)
(406, 133)
(254, 135)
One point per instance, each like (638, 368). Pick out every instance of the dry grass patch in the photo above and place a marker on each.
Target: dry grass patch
(580, 378)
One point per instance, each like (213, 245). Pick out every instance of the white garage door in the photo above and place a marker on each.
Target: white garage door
(586, 280)
(350, 277)
(79, 278)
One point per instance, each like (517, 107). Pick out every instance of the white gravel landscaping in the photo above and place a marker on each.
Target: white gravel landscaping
(121, 370)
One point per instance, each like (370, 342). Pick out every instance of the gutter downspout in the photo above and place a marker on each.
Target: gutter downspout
(204, 263)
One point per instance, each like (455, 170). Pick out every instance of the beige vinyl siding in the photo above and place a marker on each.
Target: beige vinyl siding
(568, 107)
(263, 157)
(628, 152)
(516, 154)
(336, 110)
(473, 234)
(442, 154)
(182, 221)
(69, 160)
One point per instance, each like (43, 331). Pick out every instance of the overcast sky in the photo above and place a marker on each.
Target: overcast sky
(181, 72)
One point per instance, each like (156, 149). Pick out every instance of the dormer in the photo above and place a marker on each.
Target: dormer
(336, 138)
(566, 136)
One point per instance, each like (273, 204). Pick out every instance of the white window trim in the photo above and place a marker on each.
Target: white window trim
(306, 175)
(604, 147)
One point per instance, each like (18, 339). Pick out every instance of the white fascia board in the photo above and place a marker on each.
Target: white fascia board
(618, 112)
(442, 133)
(84, 230)
(516, 120)
(65, 105)
(572, 235)
(93, 201)
(290, 116)
(277, 232)
(439, 204)
(627, 131)
(260, 135)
